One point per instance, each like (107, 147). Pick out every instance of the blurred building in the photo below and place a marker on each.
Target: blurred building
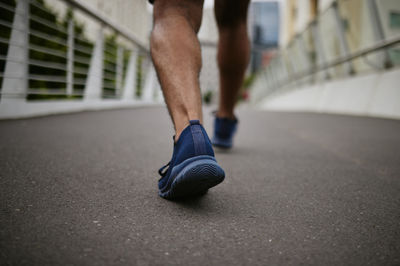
(297, 14)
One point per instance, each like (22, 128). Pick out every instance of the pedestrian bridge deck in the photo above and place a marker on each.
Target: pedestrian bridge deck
(301, 188)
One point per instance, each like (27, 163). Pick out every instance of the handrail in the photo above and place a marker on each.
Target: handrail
(120, 30)
(375, 47)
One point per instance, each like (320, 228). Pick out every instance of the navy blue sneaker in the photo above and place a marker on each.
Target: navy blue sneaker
(193, 168)
(224, 130)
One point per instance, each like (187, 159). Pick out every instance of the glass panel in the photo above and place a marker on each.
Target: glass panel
(283, 70)
(389, 14)
(294, 59)
(286, 61)
(309, 51)
(359, 32)
(303, 58)
(330, 41)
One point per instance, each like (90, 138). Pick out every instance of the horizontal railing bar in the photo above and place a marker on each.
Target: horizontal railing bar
(58, 79)
(46, 50)
(82, 60)
(109, 93)
(80, 82)
(61, 79)
(47, 23)
(82, 52)
(83, 40)
(109, 69)
(110, 85)
(53, 92)
(122, 31)
(80, 72)
(7, 7)
(38, 5)
(48, 37)
(109, 76)
(6, 41)
(48, 64)
(108, 97)
(82, 49)
(110, 62)
(7, 24)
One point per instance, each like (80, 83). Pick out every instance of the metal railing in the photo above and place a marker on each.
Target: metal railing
(327, 49)
(50, 64)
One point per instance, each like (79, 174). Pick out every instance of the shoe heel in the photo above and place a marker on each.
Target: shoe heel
(196, 178)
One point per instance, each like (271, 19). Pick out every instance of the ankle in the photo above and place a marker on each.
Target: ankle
(180, 127)
(182, 119)
(178, 130)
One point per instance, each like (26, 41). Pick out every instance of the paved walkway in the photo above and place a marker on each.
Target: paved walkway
(311, 189)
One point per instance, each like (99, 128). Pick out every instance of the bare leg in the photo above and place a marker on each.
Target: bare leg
(176, 54)
(233, 51)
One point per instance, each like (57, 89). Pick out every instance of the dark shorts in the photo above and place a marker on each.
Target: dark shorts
(151, 1)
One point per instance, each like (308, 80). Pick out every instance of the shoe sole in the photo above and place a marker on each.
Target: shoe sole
(221, 146)
(224, 144)
(195, 179)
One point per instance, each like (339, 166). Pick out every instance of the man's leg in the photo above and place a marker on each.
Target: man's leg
(177, 57)
(233, 51)
(176, 54)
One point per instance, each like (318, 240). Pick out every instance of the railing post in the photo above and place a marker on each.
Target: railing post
(94, 82)
(119, 70)
(159, 96)
(344, 48)
(149, 84)
(274, 73)
(304, 51)
(294, 70)
(15, 80)
(265, 77)
(318, 47)
(70, 57)
(130, 78)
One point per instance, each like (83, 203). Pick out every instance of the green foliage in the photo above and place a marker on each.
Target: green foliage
(207, 97)
(139, 75)
(244, 91)
(248, 81)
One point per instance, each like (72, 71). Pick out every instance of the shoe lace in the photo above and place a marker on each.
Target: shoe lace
(163, 170)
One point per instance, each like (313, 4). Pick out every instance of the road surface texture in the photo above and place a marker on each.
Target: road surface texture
(301, 188)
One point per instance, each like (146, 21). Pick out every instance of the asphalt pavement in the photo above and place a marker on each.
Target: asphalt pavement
(300, 189)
